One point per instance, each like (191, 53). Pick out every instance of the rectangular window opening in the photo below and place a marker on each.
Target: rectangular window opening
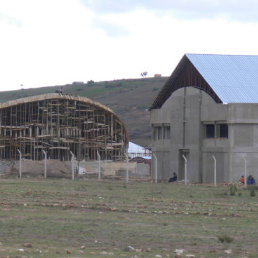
(166, 132)
(223, 131)
(210, 131)
(159, 132)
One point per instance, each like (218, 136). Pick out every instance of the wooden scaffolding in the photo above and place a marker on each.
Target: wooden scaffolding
(59, 124)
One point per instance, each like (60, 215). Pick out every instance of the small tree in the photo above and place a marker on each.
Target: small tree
(144, 74)
(90, 83)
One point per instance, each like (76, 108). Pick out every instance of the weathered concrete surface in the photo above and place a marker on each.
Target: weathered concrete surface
(109, 168)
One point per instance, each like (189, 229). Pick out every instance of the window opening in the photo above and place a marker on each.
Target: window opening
(210, 131)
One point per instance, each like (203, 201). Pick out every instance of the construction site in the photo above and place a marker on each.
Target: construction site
(60, 125)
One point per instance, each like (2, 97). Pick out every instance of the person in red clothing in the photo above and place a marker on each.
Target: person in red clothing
(242, 180)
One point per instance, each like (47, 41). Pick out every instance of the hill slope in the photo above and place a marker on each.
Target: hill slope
(129, 99)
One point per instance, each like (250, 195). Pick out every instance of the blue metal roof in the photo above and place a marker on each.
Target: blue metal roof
(234, 78)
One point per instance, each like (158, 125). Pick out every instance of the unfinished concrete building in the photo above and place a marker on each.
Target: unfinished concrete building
(206, 111)
(60, 124)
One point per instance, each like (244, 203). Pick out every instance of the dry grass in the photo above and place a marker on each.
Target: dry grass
(58, 217)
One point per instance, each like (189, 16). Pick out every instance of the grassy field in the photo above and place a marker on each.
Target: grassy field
(64, 218)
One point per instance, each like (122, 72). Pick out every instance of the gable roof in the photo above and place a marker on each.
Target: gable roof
(226, 78)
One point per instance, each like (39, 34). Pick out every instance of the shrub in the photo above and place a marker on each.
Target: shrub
(109, 187)
(252, 191)
(232, 189)
(225, 238)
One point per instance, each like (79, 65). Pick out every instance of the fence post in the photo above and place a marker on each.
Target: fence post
(215, 170)
(185, 159)
(245, 173)
(20, 163)
(127, 172)
(99, 167)
(156, 168)
(45, 163)
(72, 161)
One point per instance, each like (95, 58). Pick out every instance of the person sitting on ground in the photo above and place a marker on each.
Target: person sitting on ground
(242, 180)
(251, 180)
(173, 179)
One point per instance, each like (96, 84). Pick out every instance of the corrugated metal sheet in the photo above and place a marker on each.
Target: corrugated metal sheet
(233, 77)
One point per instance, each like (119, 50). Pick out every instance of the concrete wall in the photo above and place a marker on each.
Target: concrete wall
(183, 111)
(187, 111)
(56, 168)
(244, 139)
(110, 168)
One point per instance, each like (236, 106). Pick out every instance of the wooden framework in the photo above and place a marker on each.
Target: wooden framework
(59, 124)
(185, 75)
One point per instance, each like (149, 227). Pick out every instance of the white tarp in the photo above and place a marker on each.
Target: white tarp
(135, 150)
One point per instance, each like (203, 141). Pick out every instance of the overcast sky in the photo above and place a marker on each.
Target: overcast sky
(53, 42)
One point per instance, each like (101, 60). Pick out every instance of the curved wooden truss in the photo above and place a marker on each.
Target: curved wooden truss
(59, 124)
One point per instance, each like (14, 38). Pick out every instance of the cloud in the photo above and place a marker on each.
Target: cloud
(10, 20)
(110, 28)
(184, 9)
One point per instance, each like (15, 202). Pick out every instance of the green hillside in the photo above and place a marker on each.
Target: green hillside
(129, 98)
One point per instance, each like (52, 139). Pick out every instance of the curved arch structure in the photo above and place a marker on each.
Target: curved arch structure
(60, 124)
